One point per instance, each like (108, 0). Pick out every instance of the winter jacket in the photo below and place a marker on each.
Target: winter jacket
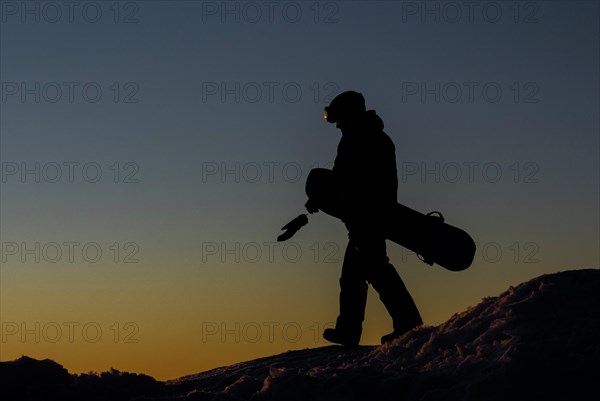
(365, 168)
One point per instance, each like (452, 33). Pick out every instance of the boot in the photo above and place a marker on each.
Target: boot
(346, 338)
(396, 333)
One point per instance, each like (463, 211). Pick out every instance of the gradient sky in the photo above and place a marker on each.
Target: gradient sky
(209, 119)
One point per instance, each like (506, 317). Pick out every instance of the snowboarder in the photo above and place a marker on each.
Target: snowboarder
(366, 183)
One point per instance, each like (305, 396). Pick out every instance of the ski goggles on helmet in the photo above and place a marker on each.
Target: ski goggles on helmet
(329, 115)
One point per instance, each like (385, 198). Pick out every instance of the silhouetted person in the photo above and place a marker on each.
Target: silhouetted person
(361, 190)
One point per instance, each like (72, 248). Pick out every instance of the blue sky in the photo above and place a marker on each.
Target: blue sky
(494, 116)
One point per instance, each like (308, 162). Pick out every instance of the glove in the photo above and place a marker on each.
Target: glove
(292, 227)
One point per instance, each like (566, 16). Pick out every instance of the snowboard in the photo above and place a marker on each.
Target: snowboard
(427, 235)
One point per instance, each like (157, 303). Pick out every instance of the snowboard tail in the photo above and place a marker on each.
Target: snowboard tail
(433, 240)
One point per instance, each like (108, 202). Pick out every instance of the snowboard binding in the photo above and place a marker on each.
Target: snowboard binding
(428, 259)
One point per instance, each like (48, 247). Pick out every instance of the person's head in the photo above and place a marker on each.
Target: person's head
(345, 109)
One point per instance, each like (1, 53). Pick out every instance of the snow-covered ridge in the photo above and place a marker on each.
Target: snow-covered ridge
(536, 341)
(541, 338)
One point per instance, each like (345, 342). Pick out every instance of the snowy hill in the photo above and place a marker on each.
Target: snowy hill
(540, 339)
(536, 341)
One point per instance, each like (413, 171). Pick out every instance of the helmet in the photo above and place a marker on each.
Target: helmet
(345, 104)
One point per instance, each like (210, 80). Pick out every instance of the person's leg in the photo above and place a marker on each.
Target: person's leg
(353, 300)
(393, 293)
